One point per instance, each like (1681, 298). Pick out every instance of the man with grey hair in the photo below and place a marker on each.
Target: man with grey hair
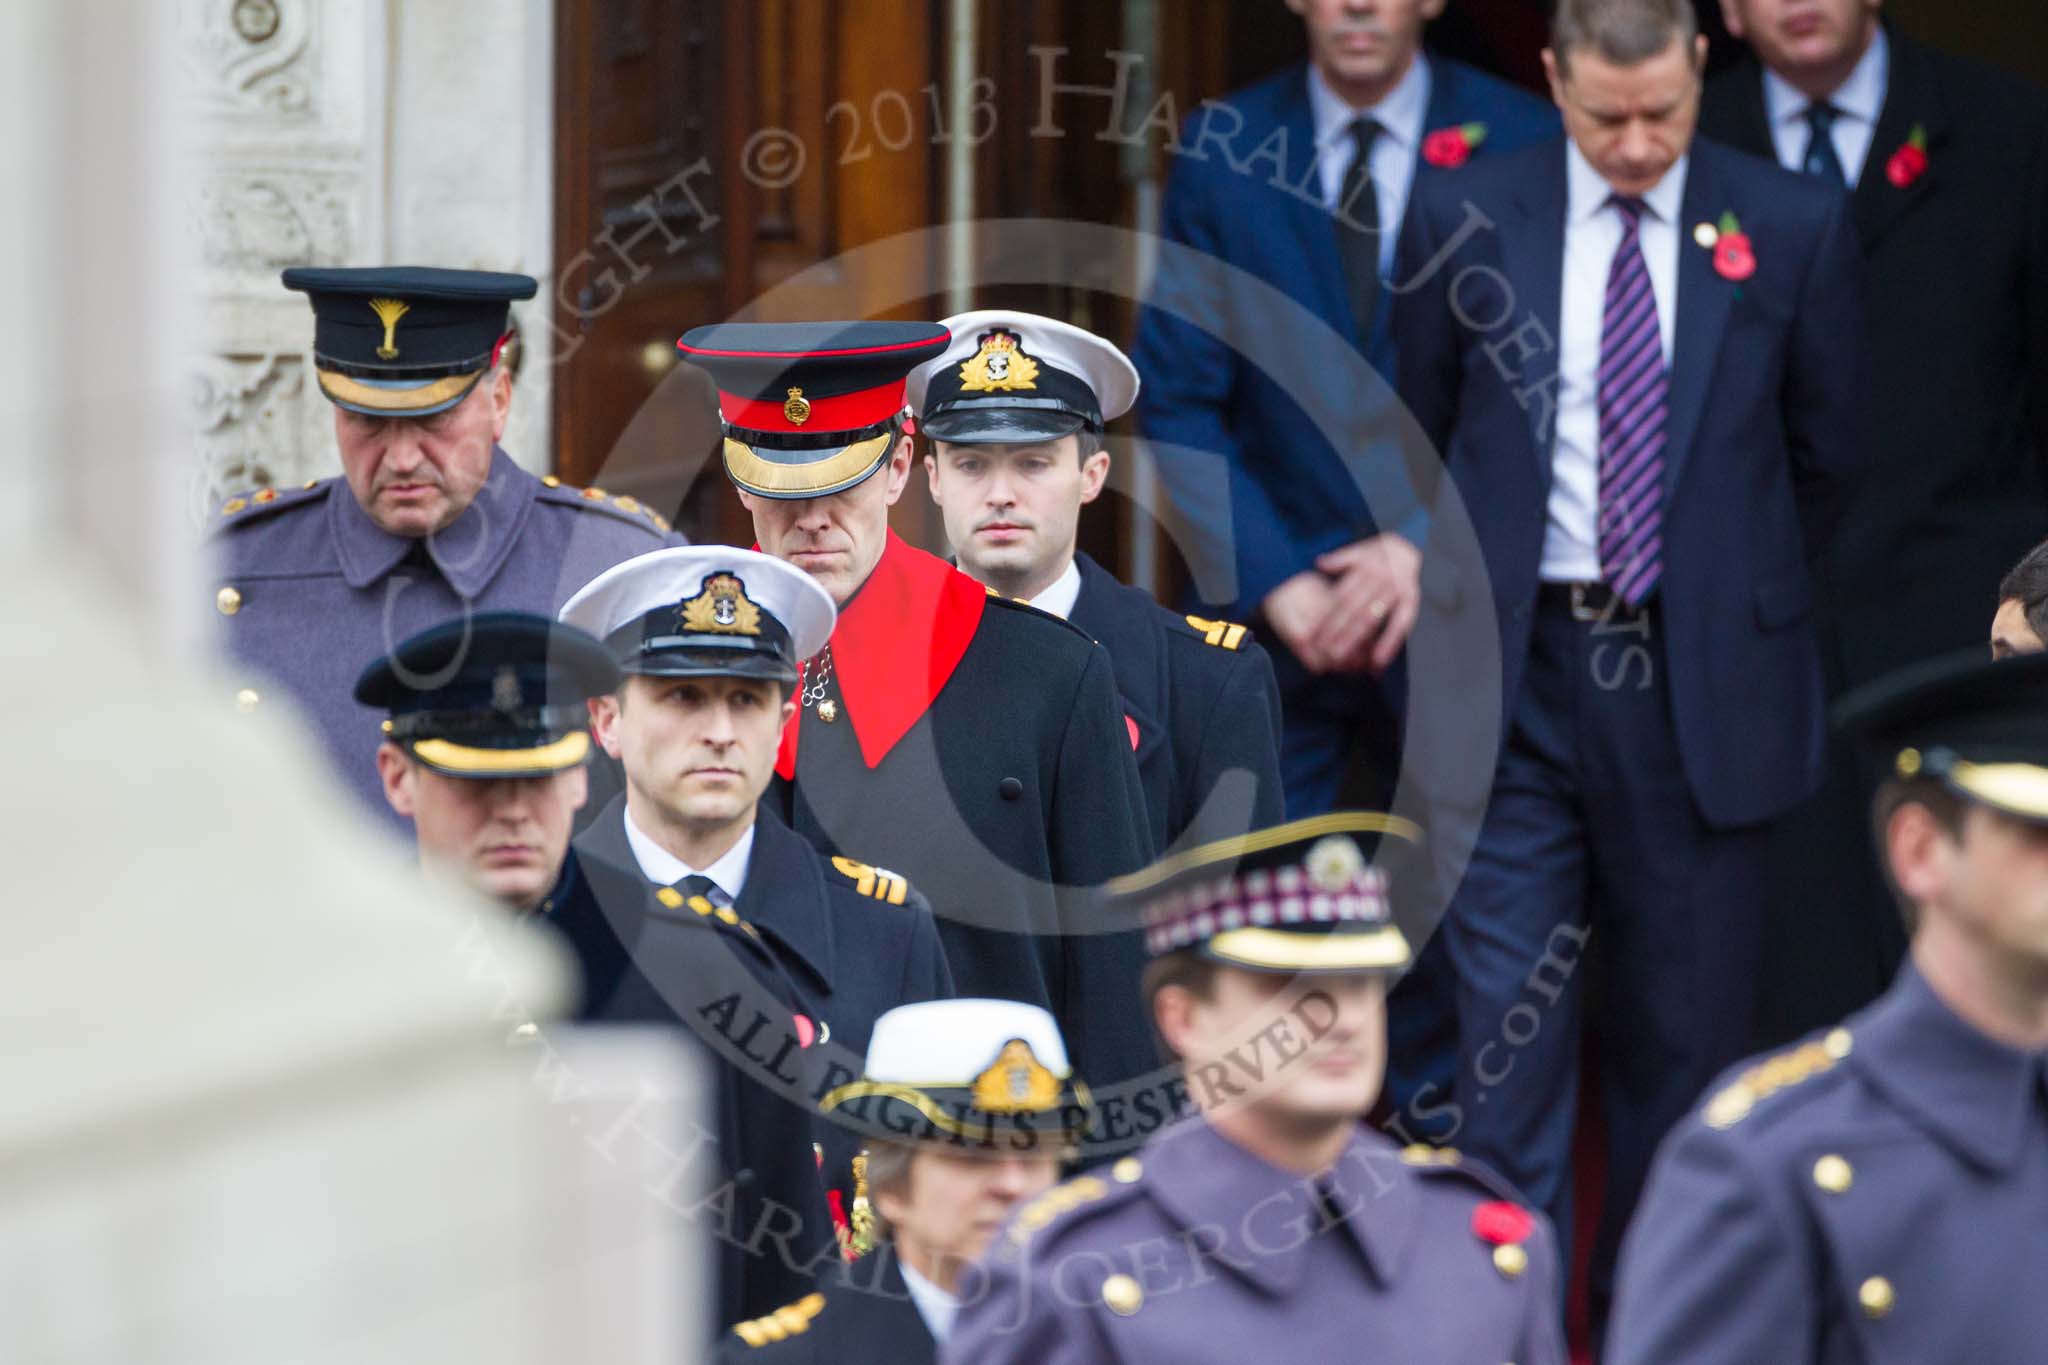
(1638, 355)
(430, 520)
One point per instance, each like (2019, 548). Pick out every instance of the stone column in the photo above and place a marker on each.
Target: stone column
(268, 1094)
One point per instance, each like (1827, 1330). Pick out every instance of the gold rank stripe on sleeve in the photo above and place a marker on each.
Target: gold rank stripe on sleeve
(877, 882)
(1734, 1101)
(1222, 634)
(782, 1324)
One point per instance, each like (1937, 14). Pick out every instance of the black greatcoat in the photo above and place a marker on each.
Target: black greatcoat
(864, 1316)
(1957, 308)
(1203, 702)
(820, 945)
(1956, 302)
(1008, 800)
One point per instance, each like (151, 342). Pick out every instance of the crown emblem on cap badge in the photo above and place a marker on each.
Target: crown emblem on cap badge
(722, 608)
(1016, 1082)
(506, 694)
(999, 366)
(1334, 863)
(797, 410)
(388, 312)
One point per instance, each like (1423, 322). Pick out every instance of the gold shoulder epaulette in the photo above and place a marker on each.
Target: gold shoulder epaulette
(1733, 1102)
(784, 1323)
(868, 880)
(1083, 1189)
(1422, 1154)
(615, 502)
(1222, 634)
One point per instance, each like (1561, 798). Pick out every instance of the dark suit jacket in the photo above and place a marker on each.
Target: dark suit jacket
(844, 954)
(864, 1316)
(1957, 304)
(1766, 390)
(1256, 376)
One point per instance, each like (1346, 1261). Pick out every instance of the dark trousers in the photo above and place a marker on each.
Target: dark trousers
(1591, 844)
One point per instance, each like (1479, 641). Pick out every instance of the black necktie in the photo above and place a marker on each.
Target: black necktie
(1821, 158)
(696, 884)
(1358, 228)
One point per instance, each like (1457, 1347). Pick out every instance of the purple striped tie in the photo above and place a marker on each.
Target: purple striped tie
(1634, 393)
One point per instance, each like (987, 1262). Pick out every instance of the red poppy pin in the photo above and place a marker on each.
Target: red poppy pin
(1909, 162)
(1734, 258)
(1502, 1223)
(1453, 146)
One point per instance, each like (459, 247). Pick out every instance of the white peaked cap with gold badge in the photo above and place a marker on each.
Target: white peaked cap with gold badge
(952, 1042)
(1017, 378)
(706, 611)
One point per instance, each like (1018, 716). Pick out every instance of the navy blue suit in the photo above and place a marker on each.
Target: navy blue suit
(1617, 774)
(1256, 376)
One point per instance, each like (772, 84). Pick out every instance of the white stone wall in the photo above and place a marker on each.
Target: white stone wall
(352, 132)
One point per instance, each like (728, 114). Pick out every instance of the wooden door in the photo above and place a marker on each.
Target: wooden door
(707, 151)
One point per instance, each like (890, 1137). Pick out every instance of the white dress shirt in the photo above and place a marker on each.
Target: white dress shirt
(1859, 101)
(728, 875)
(1400, 116)
(1059, 599)
(934, 1305)
(1592, 231)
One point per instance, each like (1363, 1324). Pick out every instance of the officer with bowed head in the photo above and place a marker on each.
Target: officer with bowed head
(1015, 410)
(486, 745)
(688, 900)
(430, 519)
(1274, 1213)
(969, 741)
(969, 1106)
(1876, 1193)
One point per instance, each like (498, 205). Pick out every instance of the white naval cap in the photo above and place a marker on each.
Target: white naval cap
(1017, 378)
(706, 611)
(951, 1042)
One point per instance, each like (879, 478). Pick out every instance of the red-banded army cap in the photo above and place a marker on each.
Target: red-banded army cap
(1304, 897)
(810, 408)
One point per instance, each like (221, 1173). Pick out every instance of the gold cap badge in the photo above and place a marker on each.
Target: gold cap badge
(388, 312)
(1016, 1081)
(797, 410)
(999, 366)
(722, 608)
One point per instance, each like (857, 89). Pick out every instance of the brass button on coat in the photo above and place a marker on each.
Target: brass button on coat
(246, 700)
(1876, 1296)
(228, 601)
(1510, 1260)
(1122, 1294)
(1833, 1173)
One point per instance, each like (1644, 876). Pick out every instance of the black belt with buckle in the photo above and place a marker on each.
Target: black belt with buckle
(1587, 601)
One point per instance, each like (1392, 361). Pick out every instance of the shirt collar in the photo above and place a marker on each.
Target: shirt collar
(1860, 96)
(467, 553)
(1059, 599)
(1587, 192)
(1400, 113)
(663, 868)
(934, 1305)
(1971, 1092)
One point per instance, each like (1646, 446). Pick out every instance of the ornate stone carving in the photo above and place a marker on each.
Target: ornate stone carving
(248, 57)
(246, 413)
(263, 221)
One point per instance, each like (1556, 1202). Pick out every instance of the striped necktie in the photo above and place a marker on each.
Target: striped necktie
(1633, 395)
